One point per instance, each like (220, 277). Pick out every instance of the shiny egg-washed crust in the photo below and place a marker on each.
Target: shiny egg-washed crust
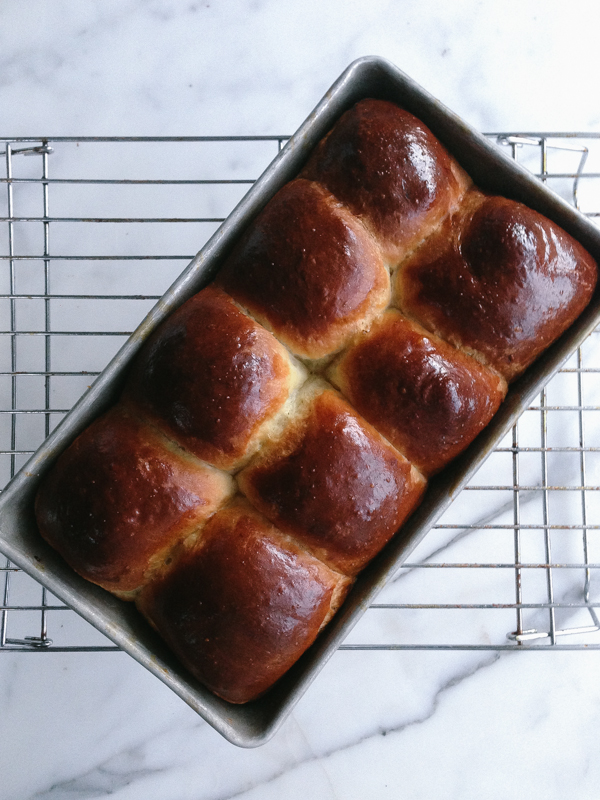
(243, 605)
(237, 597)
(212, 377)
(498, 279)
(429, 399)
(121, 497)
(391, 172)
(334, 484)
(309, 271)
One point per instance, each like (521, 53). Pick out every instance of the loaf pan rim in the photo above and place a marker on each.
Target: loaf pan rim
(255, 723)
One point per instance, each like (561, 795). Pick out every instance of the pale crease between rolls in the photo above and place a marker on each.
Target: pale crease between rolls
(234, 492)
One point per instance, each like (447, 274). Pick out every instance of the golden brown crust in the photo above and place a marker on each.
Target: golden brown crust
(212, 377)
(236, 598)
(121, 497)
(391, 171)
(309, 270)
(499, 279)
(334, 484)
(243, 605)
(429, 399)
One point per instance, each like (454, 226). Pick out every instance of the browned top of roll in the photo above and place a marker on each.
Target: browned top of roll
(498, 278)
(334, 484)
(242, 606)
(429, 399)
(120, 495)
(309, 270)
(211, 376)
(390, 170)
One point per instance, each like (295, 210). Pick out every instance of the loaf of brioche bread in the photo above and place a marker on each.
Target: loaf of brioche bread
(278, 429)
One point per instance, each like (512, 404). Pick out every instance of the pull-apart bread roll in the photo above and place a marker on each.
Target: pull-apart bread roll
(244, 604)
(333, 482)
(308, 270)
(418, 390)
(213, 379)
(499, 280)
(391, 172)
(121, 497)
(234, 493)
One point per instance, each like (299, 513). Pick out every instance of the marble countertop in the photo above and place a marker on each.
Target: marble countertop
(414, 724)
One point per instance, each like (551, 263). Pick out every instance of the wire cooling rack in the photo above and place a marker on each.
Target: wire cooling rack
(92, 232)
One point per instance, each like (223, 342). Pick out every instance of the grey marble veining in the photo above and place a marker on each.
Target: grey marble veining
(416, 725)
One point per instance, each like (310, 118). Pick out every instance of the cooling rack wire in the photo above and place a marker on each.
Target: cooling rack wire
(92, 232)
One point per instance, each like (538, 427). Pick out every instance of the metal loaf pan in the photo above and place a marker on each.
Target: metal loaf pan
(253, 724)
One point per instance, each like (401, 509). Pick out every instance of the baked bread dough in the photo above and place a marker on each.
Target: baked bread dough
(280, 426)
